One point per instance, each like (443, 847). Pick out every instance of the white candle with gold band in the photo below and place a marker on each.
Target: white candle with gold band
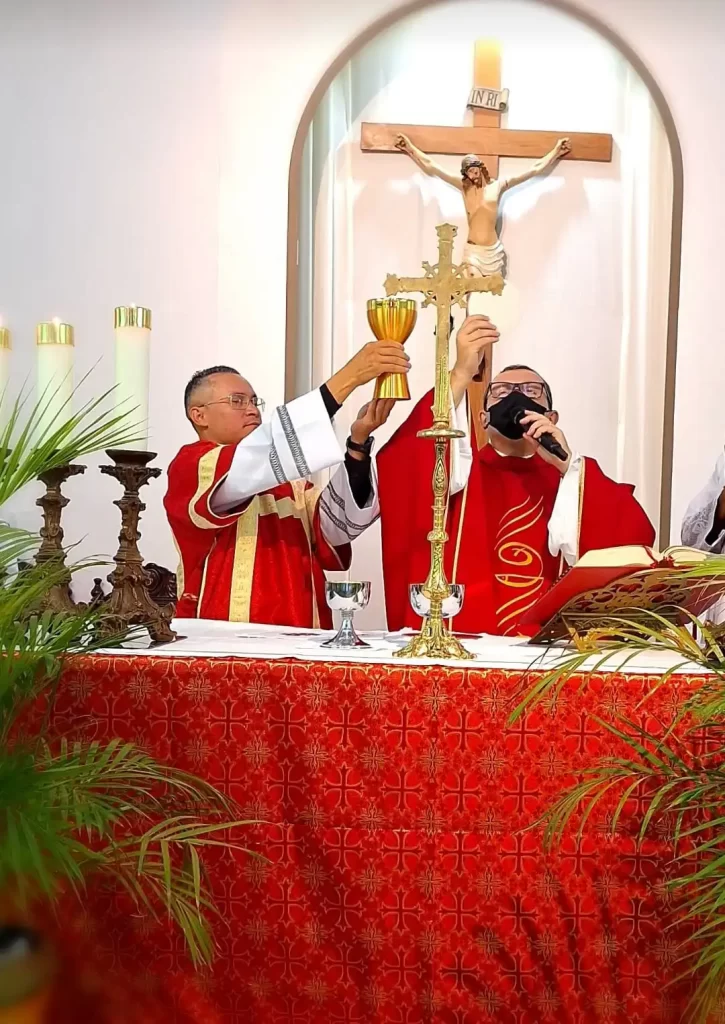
(54, 380)
(5, 355)
(5, 348)
(132, 328)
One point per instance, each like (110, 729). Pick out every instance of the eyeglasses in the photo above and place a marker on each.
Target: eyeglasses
(530, 388)
(238, 401)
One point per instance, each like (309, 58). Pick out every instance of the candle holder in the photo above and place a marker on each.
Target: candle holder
(59, 598)
(130, 603)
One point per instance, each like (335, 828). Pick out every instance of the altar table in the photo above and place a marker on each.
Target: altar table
(402, 883)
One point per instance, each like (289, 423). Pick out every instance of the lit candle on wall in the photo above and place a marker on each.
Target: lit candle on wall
(132, 328)
(54, 380)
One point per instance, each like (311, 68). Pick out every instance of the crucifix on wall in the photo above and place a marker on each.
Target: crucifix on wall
(482, 144)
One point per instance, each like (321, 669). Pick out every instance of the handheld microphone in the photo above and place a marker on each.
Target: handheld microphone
(546, 440)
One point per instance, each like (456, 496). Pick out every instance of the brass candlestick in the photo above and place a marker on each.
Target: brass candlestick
(392, 320)
(130, 602)
(59, 598)
(443, 285)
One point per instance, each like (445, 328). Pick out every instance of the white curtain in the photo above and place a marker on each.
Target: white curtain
(647, 188)
(586, 297)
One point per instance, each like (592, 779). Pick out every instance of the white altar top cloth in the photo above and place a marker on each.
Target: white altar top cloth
(206, 638)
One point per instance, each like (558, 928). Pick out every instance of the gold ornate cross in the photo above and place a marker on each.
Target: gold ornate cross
(443, 285)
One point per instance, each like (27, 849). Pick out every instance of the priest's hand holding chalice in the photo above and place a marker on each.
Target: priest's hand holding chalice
(391, 320)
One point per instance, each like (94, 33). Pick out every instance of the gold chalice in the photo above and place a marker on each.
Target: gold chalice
(392, 320)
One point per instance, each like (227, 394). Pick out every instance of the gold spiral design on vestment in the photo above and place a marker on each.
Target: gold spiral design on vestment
(518, 554)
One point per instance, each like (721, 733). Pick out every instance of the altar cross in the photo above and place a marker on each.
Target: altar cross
(444, 285)
(487, 139)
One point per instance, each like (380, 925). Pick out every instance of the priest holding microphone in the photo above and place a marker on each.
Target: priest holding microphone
(521, 509)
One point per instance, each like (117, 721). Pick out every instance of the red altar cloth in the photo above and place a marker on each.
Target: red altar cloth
(400, 886)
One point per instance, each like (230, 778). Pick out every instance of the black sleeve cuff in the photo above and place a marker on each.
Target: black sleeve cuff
(358, 473)
(331, 404)
(717, 528)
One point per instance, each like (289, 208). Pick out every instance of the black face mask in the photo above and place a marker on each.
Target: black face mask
(504, 415)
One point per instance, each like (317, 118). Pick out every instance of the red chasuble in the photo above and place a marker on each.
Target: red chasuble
(262, 562)
(497, 527)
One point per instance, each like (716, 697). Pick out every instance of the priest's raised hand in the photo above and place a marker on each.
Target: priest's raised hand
(371, 416)
(373, 359)
(475, 334)
(254, 536)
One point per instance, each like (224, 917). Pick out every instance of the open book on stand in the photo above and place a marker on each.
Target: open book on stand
(634, 579)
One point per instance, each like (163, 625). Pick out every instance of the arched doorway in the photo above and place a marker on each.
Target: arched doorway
(298, 262)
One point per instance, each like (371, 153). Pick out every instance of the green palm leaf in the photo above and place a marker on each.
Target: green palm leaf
(683, 790)
(72, 810)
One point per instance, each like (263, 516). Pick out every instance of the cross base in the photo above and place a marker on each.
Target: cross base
(434, 641)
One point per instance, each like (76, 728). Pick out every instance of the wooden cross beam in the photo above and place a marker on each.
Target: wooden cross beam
(487, 75)
(380, 138)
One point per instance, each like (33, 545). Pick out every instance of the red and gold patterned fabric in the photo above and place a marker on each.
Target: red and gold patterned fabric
(262, 562)
(402, 885)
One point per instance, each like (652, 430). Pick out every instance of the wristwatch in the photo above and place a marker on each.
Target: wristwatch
(364, 449)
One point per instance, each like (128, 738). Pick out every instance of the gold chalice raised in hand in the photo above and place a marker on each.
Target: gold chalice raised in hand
(392, 320)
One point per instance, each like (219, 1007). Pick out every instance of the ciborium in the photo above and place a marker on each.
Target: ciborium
(392, 320)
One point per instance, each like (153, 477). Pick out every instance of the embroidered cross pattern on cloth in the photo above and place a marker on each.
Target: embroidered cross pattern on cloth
(402, 881)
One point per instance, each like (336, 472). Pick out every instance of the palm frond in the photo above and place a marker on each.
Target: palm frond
(15, 544)
(69, 810)
(105, 808)
(27, 448)
(686, 792)
(635, 635)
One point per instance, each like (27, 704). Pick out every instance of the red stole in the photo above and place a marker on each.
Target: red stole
(261, 562)
(498, 527)
(499, 540)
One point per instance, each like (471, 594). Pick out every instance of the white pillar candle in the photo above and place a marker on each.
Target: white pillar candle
(54, 380)
(132, 328)
(5, 347)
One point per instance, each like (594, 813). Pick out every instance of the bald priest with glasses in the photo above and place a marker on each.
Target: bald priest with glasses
(522, 508)
(253, 535)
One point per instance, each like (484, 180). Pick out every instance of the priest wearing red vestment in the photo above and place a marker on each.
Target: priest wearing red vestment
(253, 534)
(518, 515)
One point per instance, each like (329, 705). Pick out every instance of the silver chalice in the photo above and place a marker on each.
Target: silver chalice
(346, 598)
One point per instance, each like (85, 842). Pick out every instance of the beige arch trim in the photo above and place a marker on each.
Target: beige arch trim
(668, 120)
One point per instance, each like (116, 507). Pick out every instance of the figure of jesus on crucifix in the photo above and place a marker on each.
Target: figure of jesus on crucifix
(484, 253)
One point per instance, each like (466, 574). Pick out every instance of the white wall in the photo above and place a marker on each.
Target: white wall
(132, 132)
(109, 184)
